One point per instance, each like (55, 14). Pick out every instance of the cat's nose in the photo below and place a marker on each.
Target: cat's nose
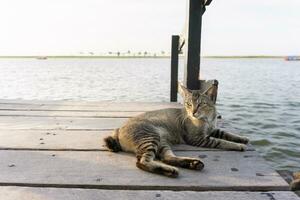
(195, 114)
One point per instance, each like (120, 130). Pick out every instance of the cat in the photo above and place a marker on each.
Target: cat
(151, 134)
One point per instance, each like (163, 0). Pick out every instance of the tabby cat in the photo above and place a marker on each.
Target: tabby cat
(150, 135)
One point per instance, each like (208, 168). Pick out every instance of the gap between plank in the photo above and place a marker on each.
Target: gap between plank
(139, 187)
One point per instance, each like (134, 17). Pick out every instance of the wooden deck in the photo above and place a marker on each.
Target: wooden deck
(54, 150)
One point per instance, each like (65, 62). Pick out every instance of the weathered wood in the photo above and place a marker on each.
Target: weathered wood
(80, 103)
(70, 114)
(26, 193)
(193, 44)
(92, 107)
(53, 140)
(106, 170)
(174, 68)
(65, 141)
(65, 123)
(55, 145)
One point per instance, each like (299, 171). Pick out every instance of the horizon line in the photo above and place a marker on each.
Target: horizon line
(137, 56)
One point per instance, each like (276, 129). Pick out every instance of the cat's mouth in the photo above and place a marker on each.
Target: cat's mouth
(200, 117)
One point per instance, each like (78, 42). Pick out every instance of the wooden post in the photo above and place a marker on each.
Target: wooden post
(174, 67)
(193, 43)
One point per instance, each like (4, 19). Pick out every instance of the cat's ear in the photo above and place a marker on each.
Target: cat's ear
(183, 91)
(211, 92)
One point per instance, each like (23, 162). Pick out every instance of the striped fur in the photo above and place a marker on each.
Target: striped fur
(151, 135)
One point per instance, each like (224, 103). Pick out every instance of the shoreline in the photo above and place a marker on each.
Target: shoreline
(134, 57)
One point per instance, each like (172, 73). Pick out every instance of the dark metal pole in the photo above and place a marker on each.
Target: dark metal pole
(193, 43)
(174, 67)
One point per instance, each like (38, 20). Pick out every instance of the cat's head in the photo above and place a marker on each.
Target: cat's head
(199, 105)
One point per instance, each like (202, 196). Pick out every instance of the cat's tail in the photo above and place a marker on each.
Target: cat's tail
(112, 142)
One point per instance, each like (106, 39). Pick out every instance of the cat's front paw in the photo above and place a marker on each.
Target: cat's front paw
(245, 140)
(242, 147)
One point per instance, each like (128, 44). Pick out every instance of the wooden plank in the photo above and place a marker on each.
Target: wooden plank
(80, 114)
(53, 140)
(27, 193)
(65, 140)
(79, 103)
(66, 123)
(99, 106)
(107, 170)
(62, 123)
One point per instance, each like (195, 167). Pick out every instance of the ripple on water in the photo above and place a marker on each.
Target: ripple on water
(245, 115)
(265, 105)
(296, 121)
(287, 134)
(262, 142)
(270, 126)
(274, 155)
(288, 114)
(255, 123)
(293, 104)
(272, 120)
(236, 119)
(287, 151)
(235, 106)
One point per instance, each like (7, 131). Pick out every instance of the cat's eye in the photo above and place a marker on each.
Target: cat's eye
(188, 104)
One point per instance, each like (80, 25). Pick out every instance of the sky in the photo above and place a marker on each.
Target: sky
(67, 27)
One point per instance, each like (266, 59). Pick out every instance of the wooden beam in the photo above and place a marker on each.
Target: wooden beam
(239, 171)
(193, 43)
(174, 67)
(40, 193)
(105, 106)
(54, 123)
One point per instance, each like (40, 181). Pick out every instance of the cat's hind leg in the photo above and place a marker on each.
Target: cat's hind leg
(167, 156)
(217, 133)
(146, 162)
(210, 142)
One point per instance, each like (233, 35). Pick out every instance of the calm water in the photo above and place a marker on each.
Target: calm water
(259, 97)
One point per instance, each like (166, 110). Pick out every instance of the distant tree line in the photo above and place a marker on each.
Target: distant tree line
(127, 53)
